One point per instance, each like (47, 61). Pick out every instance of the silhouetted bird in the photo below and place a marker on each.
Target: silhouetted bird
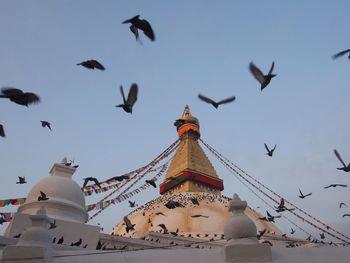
(302, 196)
(19, 97)
(194, 201)
(132, 97)
(52, 224)
(54, 240)
(214, 103)
(261, 233)
(267, 242)
(92, 64)
(129, 226)
(335, 185)
(78, 243)
(200, 216)
(142, 24)
(120, 178)
(99, 245)
(346, 215)
(163, 227)
(345, 168)
(151, 182)
(341, 53)
(2, 131)
(21, 180)
(42, 197)
(173, 204)
(132, 204)
(270, 152)
(263, 218)
(46, 124)
(92, 179)
(60, 241)
(270, 217)
(281, 207)
(263, 79)
(17, 236)
(175, 233)
(160, 213)
(292, 231)
(322, 236)
(342, 204)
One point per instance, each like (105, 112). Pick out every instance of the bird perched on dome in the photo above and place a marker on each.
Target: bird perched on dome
(132, 97)
(18, 96)
(142, 24)
(264, 80)
(92, 64)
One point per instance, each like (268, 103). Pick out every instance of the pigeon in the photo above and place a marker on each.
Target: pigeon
(344, 168)
(21, 180)
(270, 217)
(261, 233)
(151, 182)
(335, 185)
(200, 216)
(267, 242)
(160, 213)
(263, 218)
(302, 196)
(2, 131)
(194, 201)
(78, 243)
(42, 197)
(282, 208)
(342, 204)
(341, 53)
(93, 179)
(322, 236)
(346, 215)
(52, 225)
(129, 226)
(92, 64)
(292, 231)
(214, 103)
(259, 76)
(46, 124)
(60, 241)
(175, 233)
(270, 152)
(132, 97)
(19, 97)
(142, 24)
(173, 204)
(132, 204)
(164, 228)
(120, 178)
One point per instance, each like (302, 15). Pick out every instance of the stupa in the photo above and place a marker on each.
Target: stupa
(192, 181)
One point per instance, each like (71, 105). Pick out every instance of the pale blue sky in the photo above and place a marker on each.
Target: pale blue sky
(201, 47)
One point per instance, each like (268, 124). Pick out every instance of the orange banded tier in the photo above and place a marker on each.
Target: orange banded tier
(190, 170)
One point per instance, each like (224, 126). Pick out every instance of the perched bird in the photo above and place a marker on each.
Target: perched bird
(200, 216)
(92, 64)
(60, 241)
(270, 152)
(132, 204)
(78, 243)
(302, 196)
(19, 97)
(341, 53)
(173, 204)
(261, 233)
(259, 76)
(132, 97)
(93, 179)
(52, 224)
(2, 131)
(335, 185)
(342, 204)
(142, 24)
(42, 197)
(194, 201)
(292, 231)
(346, 215)
(151, 182)
(214, 103)
(21, 180)
(308, 238)
(129, 226)
(46, 124)
(345, 168)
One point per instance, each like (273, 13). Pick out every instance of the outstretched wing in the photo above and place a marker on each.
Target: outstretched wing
(267, 148)
(272, 66)
(135, 31)
(132, 96)
(97, 64)
(228, 100)
(339, 158)
(122, 92)
(147, 29)
(8, 91)
(268, 214)
(301, 193)
(206, 99)
(2, 131)
(258, 75)
(341, 53)
(127, 222)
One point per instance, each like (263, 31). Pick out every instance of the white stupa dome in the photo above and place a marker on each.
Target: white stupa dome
(66, 200)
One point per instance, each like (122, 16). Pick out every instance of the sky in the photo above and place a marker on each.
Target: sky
(201, 47)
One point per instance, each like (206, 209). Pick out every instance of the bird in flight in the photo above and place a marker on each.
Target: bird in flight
(21, 180)
(46, 124)
(302, 196)
(92, 179)
(132, 204)
(292, 231)
(91, 64)
(214, 103)
(142, 24)
(78, 243)
(151, 182)
(270, 217)
(345, 168)
(270, 152)
(342, 204)
(346, 215)
(52, 224)
(132, 97)
(259, 76)
(341, 53)
(42, 197)
(281, 207)
(60, 241)
(120, 178)
(261, 233)
(200, 216)
(335, 185)
(2, 131)
(129, 226)
(19, 97)
(194, 201)
(173, 204)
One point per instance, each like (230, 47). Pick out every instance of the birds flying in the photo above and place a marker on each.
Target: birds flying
(214, 103)
(345, 168)
(19, 97)
(91, 64)
(46, 124)
(132, 204)
(335, 185)
(93, 179)
(259, 76)
(2, 131)
(151, 182)
(302, 196)
(21, 180)
(341, 53)
(129, 225)
(42, 197)
(342, 204)
(132, 97)
(142, 24)
(270, 152)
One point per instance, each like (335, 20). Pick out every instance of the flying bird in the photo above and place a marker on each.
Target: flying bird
(259, 76)
(173, 204)
(281, 207)
(214, 103)
(120, 178)
(129, 226)
(2, 131)
(52, 224)
(132, 97)
(194, 201)
(164, 228)
(346, 215)
(21, 180)
(151, 182)
(292, 231)
(345, 168)
(261, 233)
(93, 179)
(142, 24)
(160, 213)
(335, 185)
(132, 204)
(267, 242)
(60, 241)
(78, 243)
(270, 152)
(46, 124)
(341, 53)
(92, 64)
(200, 216)
(19, 97)
(42, 197)
(270, 217)
(342, 204)
(302, 196)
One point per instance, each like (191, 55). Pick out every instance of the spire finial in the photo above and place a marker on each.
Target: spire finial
(187, 110)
